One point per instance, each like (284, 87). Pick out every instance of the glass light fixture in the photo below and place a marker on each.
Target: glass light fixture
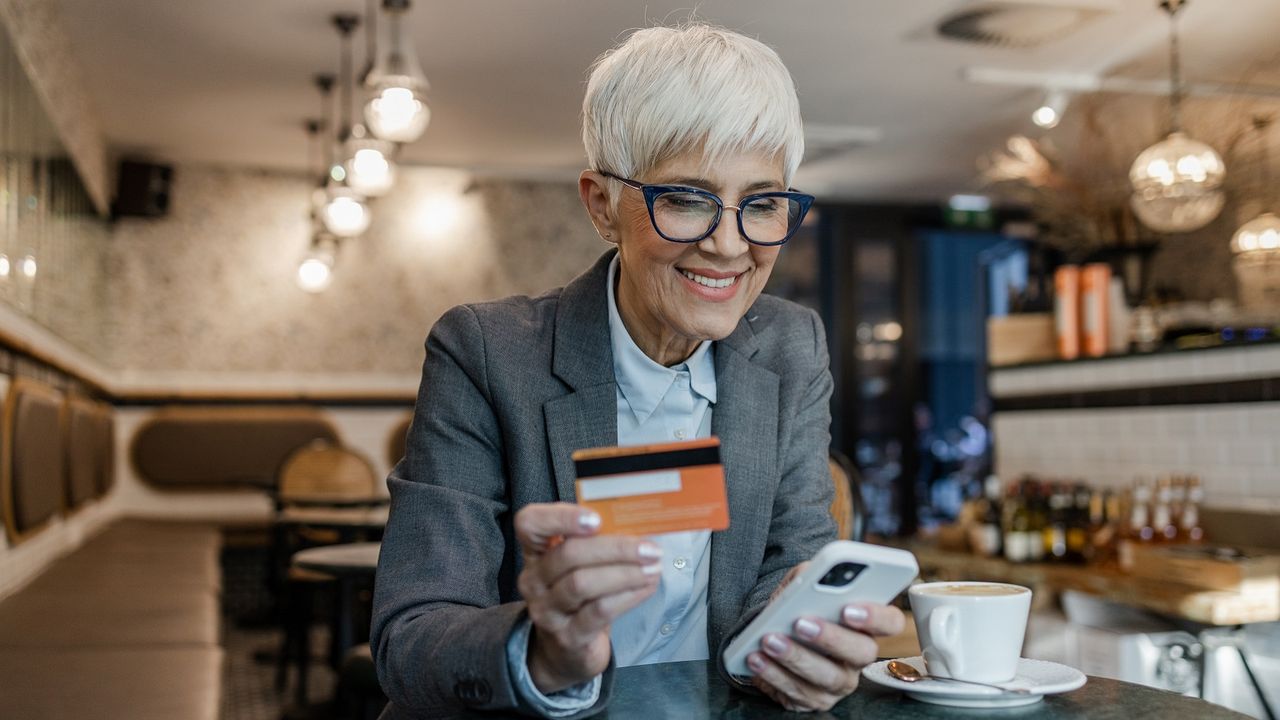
(4, 265)
(315, 272)
(345, 213)
(1261, 234)
(369, 169)
(27, 265)
(397, 110)
(1177, 183)
(1049, 114)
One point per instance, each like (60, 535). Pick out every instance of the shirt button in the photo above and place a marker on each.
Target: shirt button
(666, 629)
(680, 434)
(680, 563)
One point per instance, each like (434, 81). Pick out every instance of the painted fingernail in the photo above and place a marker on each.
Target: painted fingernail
(589, 520)
(775, 645)
(649, 551)
(755, 662)
(653, 569)
(854, 614)
(807, 628)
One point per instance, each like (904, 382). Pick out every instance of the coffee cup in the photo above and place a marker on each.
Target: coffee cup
(971, 630)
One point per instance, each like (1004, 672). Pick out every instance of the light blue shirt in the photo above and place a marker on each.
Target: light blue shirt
(655, 404)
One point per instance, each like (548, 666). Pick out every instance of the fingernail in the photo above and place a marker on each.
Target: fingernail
(650, 551)
(854, 614)
(775, 645)
(755, 662)
(589, 521)
(653, 569)
(807, 628)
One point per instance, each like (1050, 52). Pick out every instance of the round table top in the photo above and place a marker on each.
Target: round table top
(348, 559)
(695, 689)
(365, 518)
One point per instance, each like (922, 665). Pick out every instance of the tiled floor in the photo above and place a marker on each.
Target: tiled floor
(249, 691)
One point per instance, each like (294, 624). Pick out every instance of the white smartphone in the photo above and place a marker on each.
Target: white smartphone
(842, 572)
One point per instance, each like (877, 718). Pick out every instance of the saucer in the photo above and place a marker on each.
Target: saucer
(1039, 676)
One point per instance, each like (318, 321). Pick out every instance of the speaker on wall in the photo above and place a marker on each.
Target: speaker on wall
(142, 189)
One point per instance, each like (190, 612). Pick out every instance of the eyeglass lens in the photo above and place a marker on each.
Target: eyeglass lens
(689, 216)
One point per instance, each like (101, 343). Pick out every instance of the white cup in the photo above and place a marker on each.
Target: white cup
(971, 630)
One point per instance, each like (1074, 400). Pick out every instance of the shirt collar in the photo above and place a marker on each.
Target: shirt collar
(643, 381)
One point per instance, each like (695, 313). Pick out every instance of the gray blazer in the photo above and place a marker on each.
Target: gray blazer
(509, 389)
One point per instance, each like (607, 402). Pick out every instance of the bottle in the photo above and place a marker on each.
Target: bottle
(1037, 519)
(1138, 530)
(1107, 537)
(1079, 526)
(1054, 532)
(1162, 512)
(1016, 522)
(1178, 504)
(1095, 291)
(1189, 529)
(1066, 311)
(987, 539)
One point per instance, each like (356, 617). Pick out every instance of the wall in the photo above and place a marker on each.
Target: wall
(1233, 447)
(210, 288)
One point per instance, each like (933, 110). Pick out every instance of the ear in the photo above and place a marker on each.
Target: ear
(592, 189)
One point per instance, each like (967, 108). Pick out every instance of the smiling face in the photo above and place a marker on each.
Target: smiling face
(672, 296)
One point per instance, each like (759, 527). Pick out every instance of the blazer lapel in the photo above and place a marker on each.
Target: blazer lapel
(746, 421)
(583, 359)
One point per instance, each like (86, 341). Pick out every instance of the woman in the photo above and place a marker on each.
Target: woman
(693, 135)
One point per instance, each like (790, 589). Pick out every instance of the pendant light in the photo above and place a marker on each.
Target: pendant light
(345, 213)
(397, 108)
(315, 272)
(1177, 183)
(369, 168)
(1261, 234)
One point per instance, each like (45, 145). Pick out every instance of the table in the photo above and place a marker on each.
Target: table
(695, 690)
(343, 519)
(350, 565)
(1216, 615)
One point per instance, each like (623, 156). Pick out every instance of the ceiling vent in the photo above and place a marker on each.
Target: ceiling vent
(826, 141)
(1015, 24)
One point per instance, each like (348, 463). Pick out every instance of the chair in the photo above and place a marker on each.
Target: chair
(847, 508)
(318, 473)
(321, 473)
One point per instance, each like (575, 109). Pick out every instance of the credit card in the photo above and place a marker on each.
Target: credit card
(654, 489)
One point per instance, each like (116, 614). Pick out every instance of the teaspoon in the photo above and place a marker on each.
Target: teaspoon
(907, 673)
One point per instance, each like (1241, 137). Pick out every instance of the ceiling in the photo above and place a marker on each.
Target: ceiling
(229, 82)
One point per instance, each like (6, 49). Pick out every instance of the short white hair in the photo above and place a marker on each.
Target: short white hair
(669, 90)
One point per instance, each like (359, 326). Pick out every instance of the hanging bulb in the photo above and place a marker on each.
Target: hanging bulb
(345, 213)
(397, 109)
(1049, 114)
(28, 266)
(369, 169)
(4, 265)
(315, 272)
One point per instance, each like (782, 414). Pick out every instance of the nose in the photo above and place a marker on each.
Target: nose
(725, 241)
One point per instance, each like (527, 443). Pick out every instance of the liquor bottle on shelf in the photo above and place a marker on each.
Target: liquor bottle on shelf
(1080, 527)
(1054, 532)
(1016, 522)
(1138, 528)
(1104, 514)
(1178, 504)
(1037, 519)
(986, 541)
(1162, 512)
(1189, 529)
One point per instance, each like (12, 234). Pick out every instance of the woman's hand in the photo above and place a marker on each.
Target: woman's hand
(576, 585)
(823, 666)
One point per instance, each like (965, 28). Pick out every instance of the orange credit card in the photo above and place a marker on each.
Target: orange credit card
(654, 489)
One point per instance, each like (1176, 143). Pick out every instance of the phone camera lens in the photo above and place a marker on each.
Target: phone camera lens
(842, 574)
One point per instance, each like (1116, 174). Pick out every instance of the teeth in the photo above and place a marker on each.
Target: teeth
(710, 282)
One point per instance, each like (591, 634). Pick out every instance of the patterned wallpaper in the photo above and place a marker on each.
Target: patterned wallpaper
(210, 287)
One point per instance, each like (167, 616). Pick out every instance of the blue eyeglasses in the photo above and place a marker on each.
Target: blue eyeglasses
(687, 214)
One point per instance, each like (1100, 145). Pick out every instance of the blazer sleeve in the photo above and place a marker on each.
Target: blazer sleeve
(801, 522)
(439, 629)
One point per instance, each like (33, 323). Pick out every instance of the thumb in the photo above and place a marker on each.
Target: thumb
(541, 526)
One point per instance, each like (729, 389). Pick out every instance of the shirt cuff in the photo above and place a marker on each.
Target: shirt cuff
(564, 703)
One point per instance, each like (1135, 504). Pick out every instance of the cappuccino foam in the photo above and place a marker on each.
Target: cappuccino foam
(978, 590)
